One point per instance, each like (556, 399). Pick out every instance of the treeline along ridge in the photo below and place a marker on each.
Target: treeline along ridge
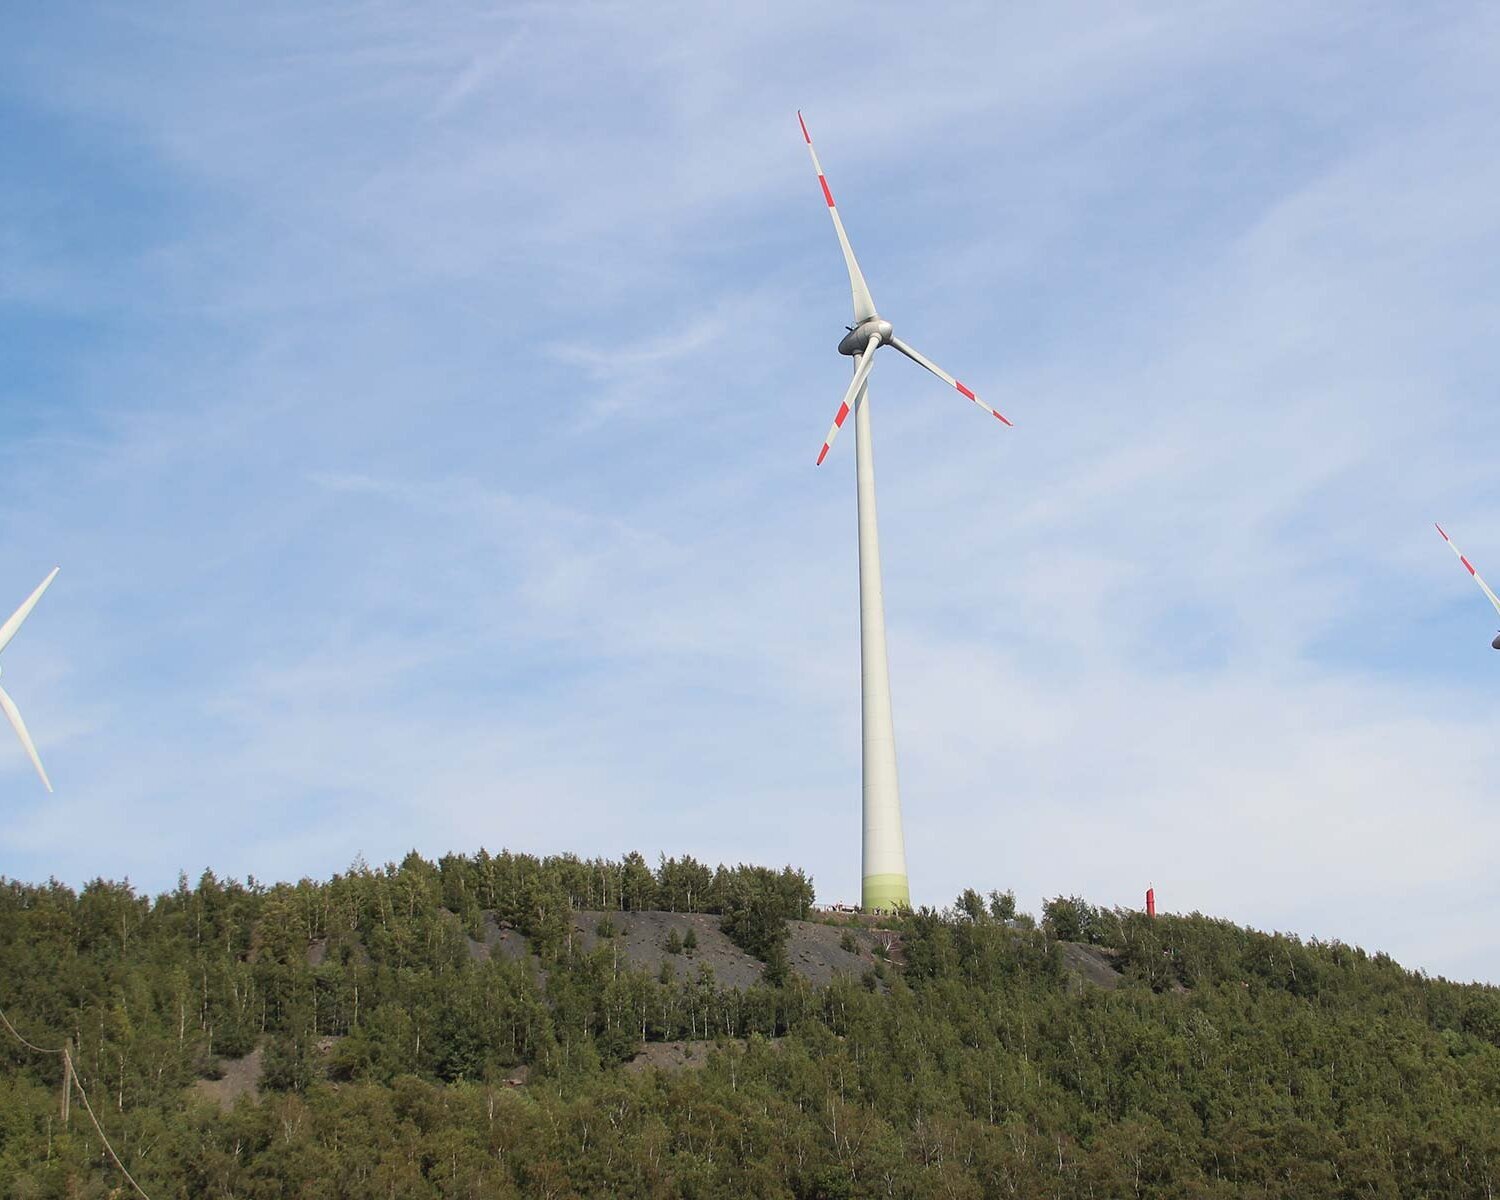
(962, 1058)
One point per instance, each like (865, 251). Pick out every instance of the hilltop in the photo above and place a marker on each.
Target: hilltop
(499, 1025)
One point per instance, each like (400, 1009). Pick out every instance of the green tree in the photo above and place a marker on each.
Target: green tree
(971, 904)
(637, 884)
(288, 1064)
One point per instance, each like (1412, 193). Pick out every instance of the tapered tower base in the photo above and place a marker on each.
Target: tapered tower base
(886, 893)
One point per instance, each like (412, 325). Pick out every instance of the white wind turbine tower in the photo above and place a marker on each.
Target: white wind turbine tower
(884, 882)
(8, 631)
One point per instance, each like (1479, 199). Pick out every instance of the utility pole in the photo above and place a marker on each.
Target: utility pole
(67, 1080)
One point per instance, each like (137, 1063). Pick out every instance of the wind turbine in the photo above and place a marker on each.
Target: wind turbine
(1484, 587)
(884, 882)
(8, 631)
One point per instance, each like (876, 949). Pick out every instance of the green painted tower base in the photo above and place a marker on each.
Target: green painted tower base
(885, 892)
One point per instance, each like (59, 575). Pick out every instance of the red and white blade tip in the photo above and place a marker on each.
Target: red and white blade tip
(838, 423)
(1461, 556)
(994, 412)
(822, 179)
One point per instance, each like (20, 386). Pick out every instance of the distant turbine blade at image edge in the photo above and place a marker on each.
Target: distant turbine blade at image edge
(19, 726)
(861, 374)
(8, 630)
(864, 305)
(923, 361)
(1495, 600)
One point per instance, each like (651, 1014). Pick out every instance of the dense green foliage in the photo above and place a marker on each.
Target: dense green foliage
(1227, 1062)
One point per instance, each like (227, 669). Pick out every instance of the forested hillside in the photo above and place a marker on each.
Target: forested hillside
(457, 1030)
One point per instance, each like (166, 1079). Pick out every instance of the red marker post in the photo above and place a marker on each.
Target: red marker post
(1151, 902)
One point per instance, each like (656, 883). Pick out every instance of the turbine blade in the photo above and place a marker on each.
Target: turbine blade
(19, 726)
(8, 630)
(864, 305)
(861, 374)
(923, 361)
(1495, 600)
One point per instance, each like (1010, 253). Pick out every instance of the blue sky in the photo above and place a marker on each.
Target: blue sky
(422, 405)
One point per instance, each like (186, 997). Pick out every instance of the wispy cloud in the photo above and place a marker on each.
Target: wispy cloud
(422, 403)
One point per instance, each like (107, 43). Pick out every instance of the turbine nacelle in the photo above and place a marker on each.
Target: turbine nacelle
(858, 337)
(870, 331)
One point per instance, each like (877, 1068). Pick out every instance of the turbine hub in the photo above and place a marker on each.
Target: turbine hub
(855, 341)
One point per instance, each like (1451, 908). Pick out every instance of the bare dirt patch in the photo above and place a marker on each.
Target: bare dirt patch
(685, 1056)
(815, 950)
(241, 1078)
(344, 948)
(500, 941)
(670, 1056)
(817, 953)
(1089, 965)
(640, 940)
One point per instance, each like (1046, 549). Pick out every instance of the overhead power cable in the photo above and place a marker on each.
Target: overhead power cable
(71, 1076)
(30, 1045)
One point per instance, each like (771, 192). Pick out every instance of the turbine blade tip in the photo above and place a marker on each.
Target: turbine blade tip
(822, 454)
